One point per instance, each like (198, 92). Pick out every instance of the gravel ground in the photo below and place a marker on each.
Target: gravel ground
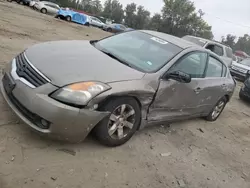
(190, 154)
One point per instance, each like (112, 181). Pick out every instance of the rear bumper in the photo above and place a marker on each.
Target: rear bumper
(34, 106)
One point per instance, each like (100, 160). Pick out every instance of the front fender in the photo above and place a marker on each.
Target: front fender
(139, 89)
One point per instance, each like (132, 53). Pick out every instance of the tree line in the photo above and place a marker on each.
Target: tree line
(243, 42)
(177, 17)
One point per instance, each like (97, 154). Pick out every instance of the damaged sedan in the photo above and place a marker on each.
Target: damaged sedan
(115, 86)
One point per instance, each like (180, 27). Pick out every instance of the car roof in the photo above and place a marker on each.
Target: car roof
(48, 2)
(172, 39)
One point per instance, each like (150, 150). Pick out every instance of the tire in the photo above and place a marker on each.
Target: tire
(44, 10)
(217, 109)
(109, 30)
(9, 0)
(241, 96)
(87, 24)
(116, 129)
(68, 18)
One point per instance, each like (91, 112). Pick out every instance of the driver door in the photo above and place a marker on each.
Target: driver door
(175, 100)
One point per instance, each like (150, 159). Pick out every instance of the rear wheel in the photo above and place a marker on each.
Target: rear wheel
(217, 110)
(121, 125)
(44, 10)
(109, 30)
(87, 24)
(68, 18)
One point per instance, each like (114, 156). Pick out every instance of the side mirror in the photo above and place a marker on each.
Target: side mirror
(179, 76)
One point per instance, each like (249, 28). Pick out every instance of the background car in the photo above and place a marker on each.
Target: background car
(225, 52)
(71, 15)
(96, 22)
(241, 69)
(47, 7)
(116, 28)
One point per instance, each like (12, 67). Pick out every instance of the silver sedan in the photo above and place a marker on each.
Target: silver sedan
(115, 86)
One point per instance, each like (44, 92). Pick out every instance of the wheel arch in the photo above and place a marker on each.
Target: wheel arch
(227, 96)
(143, 100)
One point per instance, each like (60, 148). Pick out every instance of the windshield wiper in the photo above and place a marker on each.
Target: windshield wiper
(117, 58)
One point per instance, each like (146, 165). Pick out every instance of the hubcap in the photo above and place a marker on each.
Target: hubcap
(218, 109)
(121, 121)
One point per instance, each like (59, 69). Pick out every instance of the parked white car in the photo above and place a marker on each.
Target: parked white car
(47, 7)
(96, 22)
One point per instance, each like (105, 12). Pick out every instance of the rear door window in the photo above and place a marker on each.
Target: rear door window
(214, 68)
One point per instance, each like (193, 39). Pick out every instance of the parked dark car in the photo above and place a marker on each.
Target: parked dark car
(245, 90)
(21, 2)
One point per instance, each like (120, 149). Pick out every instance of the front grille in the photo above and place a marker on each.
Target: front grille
(25, 70)
(37, 120)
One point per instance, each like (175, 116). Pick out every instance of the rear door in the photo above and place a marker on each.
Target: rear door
(214, 82)
(175, 100)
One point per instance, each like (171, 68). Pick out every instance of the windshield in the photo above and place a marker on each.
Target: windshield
(245, 62)
(139, 50)
(198, 41)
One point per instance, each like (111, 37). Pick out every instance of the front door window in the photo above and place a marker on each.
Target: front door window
(193, 64)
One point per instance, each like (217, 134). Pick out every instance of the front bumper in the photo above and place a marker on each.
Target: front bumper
(238, 74)
(33, 105)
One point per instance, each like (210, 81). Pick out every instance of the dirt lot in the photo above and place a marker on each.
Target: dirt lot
(198, 153)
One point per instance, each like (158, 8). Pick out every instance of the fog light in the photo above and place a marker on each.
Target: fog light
(45, 123)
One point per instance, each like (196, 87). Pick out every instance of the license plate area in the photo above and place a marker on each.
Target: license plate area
(8, 83)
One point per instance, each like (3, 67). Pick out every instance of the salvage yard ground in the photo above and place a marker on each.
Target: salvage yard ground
(191, 154)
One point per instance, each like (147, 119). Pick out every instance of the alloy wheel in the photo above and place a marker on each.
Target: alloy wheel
(121, 121)
(218, 109)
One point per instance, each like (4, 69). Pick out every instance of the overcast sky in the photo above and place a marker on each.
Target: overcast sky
(225, 16)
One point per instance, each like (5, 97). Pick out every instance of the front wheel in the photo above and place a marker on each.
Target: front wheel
(217, 110)
(87, 24)
(122, 123)
(44, 10)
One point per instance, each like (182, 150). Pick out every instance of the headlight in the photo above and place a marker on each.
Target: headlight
(79, 93)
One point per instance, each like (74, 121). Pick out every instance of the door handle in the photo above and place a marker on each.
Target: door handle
(197, 90)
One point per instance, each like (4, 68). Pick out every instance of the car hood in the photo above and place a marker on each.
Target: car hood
(66, 62)
(241, 66)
